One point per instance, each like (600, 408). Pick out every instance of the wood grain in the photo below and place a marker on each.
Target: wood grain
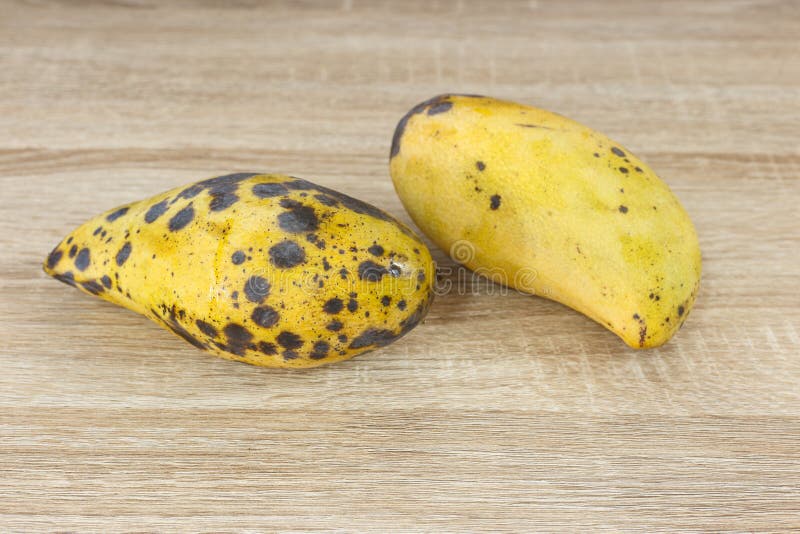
(500, 412)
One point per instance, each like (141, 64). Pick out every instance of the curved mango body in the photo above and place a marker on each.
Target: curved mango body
(266, 269)
(550, 207)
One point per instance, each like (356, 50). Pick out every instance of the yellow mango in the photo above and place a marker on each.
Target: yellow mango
(549, 207)
(266, 269)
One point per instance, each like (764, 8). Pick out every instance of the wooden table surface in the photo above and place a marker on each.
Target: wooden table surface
(501, 411)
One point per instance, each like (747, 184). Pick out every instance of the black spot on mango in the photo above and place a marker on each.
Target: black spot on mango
(287, 254)
(156, 211)
(116, 214)
(181, 219)
(83, 259)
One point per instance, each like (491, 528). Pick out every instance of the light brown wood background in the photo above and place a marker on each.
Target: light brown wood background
(500, 412)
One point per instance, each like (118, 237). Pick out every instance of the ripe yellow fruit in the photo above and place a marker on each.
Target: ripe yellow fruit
(267, 269)
(550, 207)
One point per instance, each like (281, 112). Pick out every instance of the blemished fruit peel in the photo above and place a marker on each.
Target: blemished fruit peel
(550, 207)
(266, 269)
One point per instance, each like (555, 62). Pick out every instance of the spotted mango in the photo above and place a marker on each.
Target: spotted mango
(267, 269)
(551, 207)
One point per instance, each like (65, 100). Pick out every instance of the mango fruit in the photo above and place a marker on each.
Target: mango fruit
(266, 269)
(550, 207)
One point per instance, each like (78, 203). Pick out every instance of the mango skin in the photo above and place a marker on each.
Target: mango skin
(549, 207)
(266, 269)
